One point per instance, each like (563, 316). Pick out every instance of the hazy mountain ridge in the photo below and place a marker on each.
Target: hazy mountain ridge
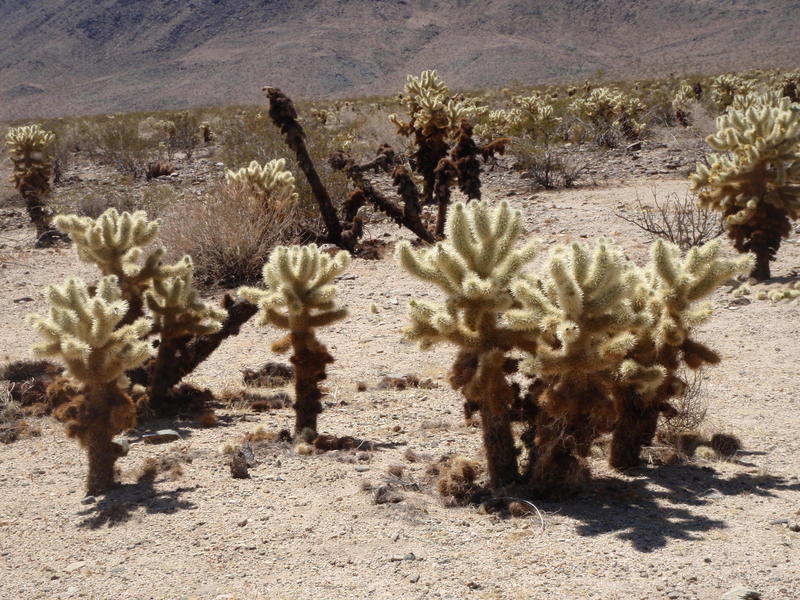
(61, 57)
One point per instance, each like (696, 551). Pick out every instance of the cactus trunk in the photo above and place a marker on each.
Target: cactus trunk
(309, 359)
(498, 442)
(98, 439)
(635, 428)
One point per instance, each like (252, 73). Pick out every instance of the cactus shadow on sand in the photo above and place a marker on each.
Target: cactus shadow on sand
(120, 503)
(661, 504)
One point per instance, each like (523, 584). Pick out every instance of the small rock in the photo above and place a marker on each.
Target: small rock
(89, 500)
(794, 526)
(72, 567)
(414, 578)
(410, 556)
(634, 146)
(741, 593)
(242, 523)
(123, 444)
(362, 468)
(385, 495)
(162, 436)
(779, 522)
(673, 595)
(23, 299)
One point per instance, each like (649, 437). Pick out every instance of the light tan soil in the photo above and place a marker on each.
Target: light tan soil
(302, 527)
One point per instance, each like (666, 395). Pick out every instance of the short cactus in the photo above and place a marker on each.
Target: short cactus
(434, 116)
(273, 183)
(299, 297)
(754, 178)
(85, 331)
(475, 267)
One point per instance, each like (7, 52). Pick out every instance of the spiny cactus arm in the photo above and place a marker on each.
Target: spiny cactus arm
(177, 310)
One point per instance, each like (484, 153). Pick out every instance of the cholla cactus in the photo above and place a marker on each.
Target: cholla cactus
(681, 100)
(580, 313)
(434, 117)
(666, 294)
(754, 178)
(475, 267)
(534, 116)
(29, 150)
(178, 315)
(273, 183)
(726, 87)
(605, 108)
(115, 243)
(85, 331)
(299, 296)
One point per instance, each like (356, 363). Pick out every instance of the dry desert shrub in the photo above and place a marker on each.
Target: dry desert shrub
(13, 425)
(677, 220)
(229, 236)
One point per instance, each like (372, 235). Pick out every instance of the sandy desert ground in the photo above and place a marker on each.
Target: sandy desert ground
(303, 526)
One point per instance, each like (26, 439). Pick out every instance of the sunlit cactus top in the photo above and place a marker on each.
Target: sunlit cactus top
(757, 160)
(83, 331)
(272, 181)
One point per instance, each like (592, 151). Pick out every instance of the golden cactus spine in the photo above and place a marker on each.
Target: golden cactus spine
(299, 297)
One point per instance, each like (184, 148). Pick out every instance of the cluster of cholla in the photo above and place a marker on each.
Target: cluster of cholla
(101, 331)
(272, 183)
(431, 108)
(603, 340)
(529, 115)
(608, 107)
(725, 88)
(753, 177)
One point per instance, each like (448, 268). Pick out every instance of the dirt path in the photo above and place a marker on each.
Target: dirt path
(303, 528)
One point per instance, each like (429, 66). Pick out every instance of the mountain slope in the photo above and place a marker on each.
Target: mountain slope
(65, 57)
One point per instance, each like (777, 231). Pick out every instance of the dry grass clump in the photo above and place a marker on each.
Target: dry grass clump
(271, 374)
(170, 463)
(228, 236)
(13, 425)
(456, 481)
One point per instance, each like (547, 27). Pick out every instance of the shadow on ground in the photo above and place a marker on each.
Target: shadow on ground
(659, 506)
(119, 505)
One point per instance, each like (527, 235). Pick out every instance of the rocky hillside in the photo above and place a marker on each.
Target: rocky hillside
(63, 57)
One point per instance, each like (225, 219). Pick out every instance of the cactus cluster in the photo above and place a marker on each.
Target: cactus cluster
(434, 117)
(725, 88)
(601, 338)
(29, 148)
(298, 296)
(753, 178)
(606, 108)
(533, 116)
(272, 183)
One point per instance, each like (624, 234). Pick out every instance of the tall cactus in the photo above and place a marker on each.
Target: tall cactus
(475, 267)
(299, 297)
(85, 331)
(754, 177)
(29, 151)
